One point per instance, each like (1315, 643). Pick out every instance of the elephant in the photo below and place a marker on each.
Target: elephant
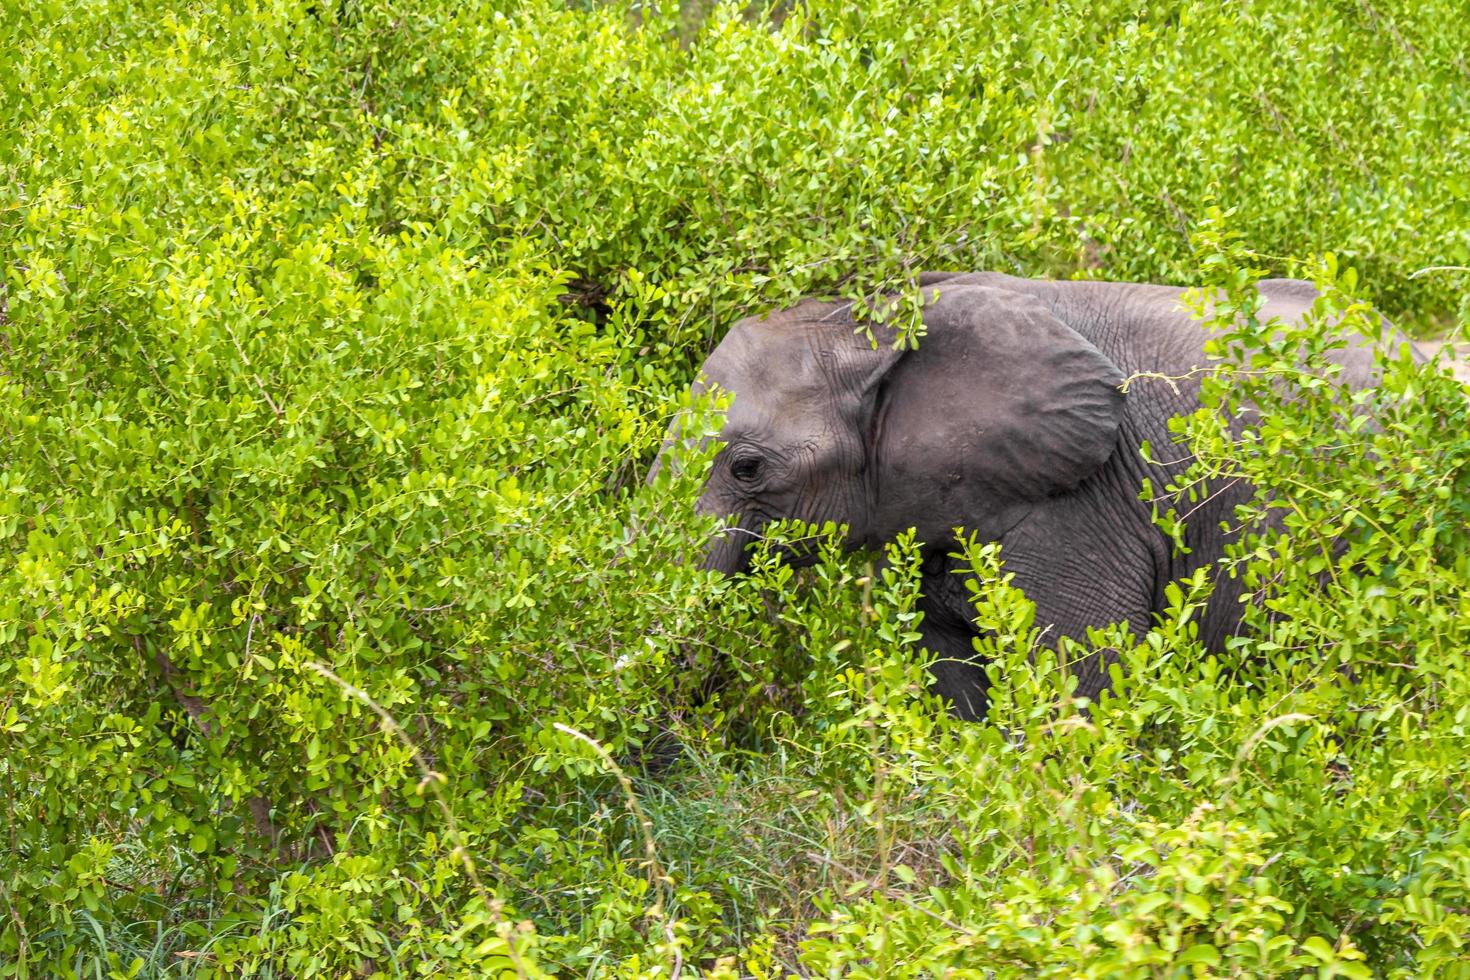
(1008, 419)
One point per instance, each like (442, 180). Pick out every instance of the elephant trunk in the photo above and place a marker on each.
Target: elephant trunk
(727, 552)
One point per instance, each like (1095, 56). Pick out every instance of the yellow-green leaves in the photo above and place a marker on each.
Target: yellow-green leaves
(343, 334)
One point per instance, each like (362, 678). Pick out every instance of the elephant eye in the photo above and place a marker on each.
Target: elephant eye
(746, 468)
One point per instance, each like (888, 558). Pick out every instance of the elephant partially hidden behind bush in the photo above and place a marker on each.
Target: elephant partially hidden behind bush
(1008, 420)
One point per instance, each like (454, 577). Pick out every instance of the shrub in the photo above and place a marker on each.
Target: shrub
(337, 340)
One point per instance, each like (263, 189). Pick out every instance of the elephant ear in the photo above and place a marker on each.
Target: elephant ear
(1001, 404)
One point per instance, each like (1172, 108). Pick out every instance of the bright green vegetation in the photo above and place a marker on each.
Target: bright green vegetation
(335, 342)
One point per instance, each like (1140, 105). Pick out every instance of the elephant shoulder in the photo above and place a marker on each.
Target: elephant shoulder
(1297, 289)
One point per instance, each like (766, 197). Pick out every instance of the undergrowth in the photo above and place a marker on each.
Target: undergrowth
(345, 636)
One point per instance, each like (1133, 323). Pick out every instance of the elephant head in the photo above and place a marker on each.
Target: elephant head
(1001, 405)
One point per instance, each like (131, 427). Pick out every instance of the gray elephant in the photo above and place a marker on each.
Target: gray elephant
(1008, 421)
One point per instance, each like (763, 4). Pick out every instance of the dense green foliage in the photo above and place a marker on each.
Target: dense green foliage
(336, 340)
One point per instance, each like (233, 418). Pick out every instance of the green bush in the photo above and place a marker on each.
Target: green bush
(336, 341)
